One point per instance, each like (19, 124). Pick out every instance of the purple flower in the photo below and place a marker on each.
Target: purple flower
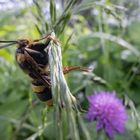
(108, 112)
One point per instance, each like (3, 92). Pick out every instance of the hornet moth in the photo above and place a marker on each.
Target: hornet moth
(32, 58)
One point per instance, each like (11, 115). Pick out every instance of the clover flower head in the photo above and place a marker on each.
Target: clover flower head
(108, 112)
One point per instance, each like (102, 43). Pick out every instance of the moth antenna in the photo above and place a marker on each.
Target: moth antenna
(9, 41)
(7, 45)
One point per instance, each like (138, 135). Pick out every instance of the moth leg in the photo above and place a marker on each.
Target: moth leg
(55, 40)
(48, 38)
(67, 69)
(31, 51)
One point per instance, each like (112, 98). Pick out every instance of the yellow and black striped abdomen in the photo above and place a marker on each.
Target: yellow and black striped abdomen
(42, 92)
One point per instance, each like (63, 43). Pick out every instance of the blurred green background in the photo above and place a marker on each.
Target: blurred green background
(102, 35)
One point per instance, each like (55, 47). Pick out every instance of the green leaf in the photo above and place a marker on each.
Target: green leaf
(5, 130)
(115, 39)
(52, 11)
(6, 55)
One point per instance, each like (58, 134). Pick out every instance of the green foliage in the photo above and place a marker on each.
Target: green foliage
(102, 35)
